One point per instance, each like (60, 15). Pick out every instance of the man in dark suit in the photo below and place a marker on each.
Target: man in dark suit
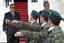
(9, 29)
(46, 6)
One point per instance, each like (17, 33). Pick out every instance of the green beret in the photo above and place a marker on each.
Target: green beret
(55, 15)
(45, 13)
(35, 13)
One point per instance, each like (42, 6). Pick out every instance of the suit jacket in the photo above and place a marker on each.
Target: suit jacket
(10, 28)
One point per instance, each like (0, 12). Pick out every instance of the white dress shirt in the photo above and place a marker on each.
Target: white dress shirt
(51, 28)
(32, 21)
(43, 24)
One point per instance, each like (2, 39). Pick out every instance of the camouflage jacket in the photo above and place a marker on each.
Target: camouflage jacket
(56, 36)
(27, 26)
(28, 40)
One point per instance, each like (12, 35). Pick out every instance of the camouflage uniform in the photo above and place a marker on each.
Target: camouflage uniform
(35, 15)
(27, 26)
(55, 36)
(28, 40)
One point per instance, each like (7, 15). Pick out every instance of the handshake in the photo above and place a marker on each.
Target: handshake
(7, 21)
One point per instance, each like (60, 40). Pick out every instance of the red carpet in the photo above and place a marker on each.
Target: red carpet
(22, 8)
(22, 41)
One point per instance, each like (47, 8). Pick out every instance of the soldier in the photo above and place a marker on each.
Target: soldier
(44, 19)
(55, 34)
(34, 16)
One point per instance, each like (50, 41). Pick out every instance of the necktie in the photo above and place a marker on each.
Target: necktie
(13, 14)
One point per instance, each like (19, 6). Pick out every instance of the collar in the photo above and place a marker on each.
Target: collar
(12, 12)
(33, 22)
(51, 28)
(43, 24)
(47, 9)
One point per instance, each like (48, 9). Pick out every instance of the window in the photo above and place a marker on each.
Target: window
(34, 0)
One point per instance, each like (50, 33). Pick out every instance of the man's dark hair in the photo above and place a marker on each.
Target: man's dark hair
(55, 21)
(45, 17)
(11, 5)
(35, 17)
(45, 2)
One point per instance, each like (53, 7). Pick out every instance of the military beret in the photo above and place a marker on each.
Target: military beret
(45, 13)
(55, 15)
(35, 13)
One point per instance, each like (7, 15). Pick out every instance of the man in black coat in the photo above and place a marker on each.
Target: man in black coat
(46, 6)
(9, 29)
